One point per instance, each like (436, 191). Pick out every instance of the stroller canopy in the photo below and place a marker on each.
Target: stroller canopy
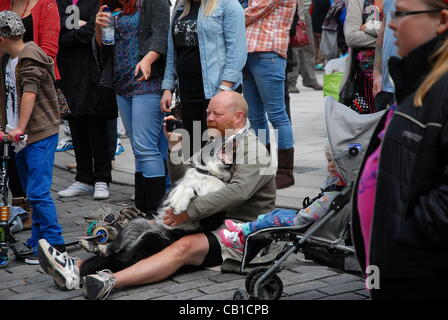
(346, 130)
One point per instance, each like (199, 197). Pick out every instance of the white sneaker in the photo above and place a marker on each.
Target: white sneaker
(61, 267)
(98, 286)
(76, 189)
(65, 145)
(101, 191)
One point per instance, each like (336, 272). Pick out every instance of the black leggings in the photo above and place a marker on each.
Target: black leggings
(191, 112)
(90, 136)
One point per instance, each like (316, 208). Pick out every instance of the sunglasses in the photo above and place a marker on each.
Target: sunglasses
(398, 14)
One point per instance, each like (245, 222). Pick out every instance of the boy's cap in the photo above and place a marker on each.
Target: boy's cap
(10, 24)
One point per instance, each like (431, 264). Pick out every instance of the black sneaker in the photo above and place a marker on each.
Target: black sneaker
(98, 286)
(22, 250)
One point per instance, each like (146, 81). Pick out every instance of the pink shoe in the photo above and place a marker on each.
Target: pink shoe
(233, 240)
(232, 226)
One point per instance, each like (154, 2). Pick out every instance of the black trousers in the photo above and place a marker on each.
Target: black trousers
(290, 64)
(287, 98)
(90, 136)
(194, 112)
(113, 136)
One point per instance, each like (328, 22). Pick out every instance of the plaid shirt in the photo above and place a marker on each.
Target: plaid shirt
(267, 25)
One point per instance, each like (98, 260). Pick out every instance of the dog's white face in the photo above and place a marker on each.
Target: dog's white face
(219, 170)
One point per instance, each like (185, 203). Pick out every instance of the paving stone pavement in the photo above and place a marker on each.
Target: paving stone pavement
(302, 279)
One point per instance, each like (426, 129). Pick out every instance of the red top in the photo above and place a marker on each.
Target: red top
(46, 27)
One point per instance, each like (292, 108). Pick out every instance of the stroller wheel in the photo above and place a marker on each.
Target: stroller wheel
(270, 289)
(240, 294)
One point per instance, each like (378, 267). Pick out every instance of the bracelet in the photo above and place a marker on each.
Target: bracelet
(225, 88)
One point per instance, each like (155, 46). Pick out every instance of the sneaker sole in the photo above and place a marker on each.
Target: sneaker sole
(65, 149)
(75, 195)
(100, 198)
(58, 277)
(86, 282)
(32, 262)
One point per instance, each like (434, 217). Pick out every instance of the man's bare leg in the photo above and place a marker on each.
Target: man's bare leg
(189, 250)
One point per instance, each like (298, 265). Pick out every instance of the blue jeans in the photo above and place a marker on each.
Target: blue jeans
(274, 218)
(142, 119)
(264, 90)
(35, 169)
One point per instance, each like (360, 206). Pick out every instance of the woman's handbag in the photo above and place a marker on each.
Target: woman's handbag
(359, 104)
(300, 38)
(64, 109)
(347, 94)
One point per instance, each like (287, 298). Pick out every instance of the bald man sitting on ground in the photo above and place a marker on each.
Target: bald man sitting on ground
(250, 192)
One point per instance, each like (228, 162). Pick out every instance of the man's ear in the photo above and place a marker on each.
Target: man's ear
(443, 25)
(239, 115)
(2, 40)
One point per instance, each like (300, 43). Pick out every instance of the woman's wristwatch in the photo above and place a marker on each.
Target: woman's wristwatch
(225, 88)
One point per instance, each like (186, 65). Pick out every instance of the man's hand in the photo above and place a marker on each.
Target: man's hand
(172, 137)
(13, 133)
(82, 23)
(174, 220)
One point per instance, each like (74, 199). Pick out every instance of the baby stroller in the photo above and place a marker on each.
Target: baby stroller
(327, 240)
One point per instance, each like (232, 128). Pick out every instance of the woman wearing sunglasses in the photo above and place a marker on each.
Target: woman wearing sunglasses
(400, 216)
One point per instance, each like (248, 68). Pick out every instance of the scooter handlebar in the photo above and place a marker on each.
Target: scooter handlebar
(18, 137)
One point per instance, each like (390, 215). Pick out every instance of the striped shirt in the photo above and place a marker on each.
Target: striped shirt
(267, 25)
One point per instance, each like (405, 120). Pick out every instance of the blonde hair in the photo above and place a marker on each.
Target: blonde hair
(439, 69)
(210, 5)
(440, 66)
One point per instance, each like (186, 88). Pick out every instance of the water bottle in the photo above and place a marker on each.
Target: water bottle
(108, 33)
